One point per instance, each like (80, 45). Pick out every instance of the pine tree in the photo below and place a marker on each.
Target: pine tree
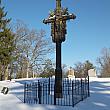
(6, 43)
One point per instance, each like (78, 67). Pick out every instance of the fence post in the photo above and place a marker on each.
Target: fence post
(39, 92)
(78, 87)
(69, 82)
(72, 93)
(35, 85)
(54, 95)
(85, 90)
(25, 93)
(81, 89)
(88, 87)
(49, 87)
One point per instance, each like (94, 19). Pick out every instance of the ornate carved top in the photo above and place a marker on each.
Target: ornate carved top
(58, 19)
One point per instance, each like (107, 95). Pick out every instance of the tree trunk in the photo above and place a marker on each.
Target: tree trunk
(27, 75)
(6, 73)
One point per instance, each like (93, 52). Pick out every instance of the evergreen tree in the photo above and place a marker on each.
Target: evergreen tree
(87, 66)
(81, 69)
(6, 43)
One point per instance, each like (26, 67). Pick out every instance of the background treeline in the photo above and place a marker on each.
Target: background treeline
(22, 50)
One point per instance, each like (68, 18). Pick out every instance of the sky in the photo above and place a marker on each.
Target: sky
(86, 36)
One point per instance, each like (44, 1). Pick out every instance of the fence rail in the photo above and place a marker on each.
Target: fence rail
(74, 91)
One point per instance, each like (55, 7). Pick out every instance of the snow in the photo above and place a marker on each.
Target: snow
(99, 98)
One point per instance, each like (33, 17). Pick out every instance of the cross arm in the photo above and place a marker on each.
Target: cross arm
(68, 17)
(49, 20)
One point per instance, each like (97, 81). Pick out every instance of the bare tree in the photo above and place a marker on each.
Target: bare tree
(78, 69)
(32, 45)
(104, 62)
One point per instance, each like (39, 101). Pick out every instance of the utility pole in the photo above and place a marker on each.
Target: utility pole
(57, 19)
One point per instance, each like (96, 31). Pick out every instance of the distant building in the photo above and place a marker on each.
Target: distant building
(70, 73)
(92, 73)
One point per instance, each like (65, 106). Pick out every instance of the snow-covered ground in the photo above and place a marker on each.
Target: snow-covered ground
(99, 98)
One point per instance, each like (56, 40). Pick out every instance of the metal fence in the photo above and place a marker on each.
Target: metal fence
(74, 91)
